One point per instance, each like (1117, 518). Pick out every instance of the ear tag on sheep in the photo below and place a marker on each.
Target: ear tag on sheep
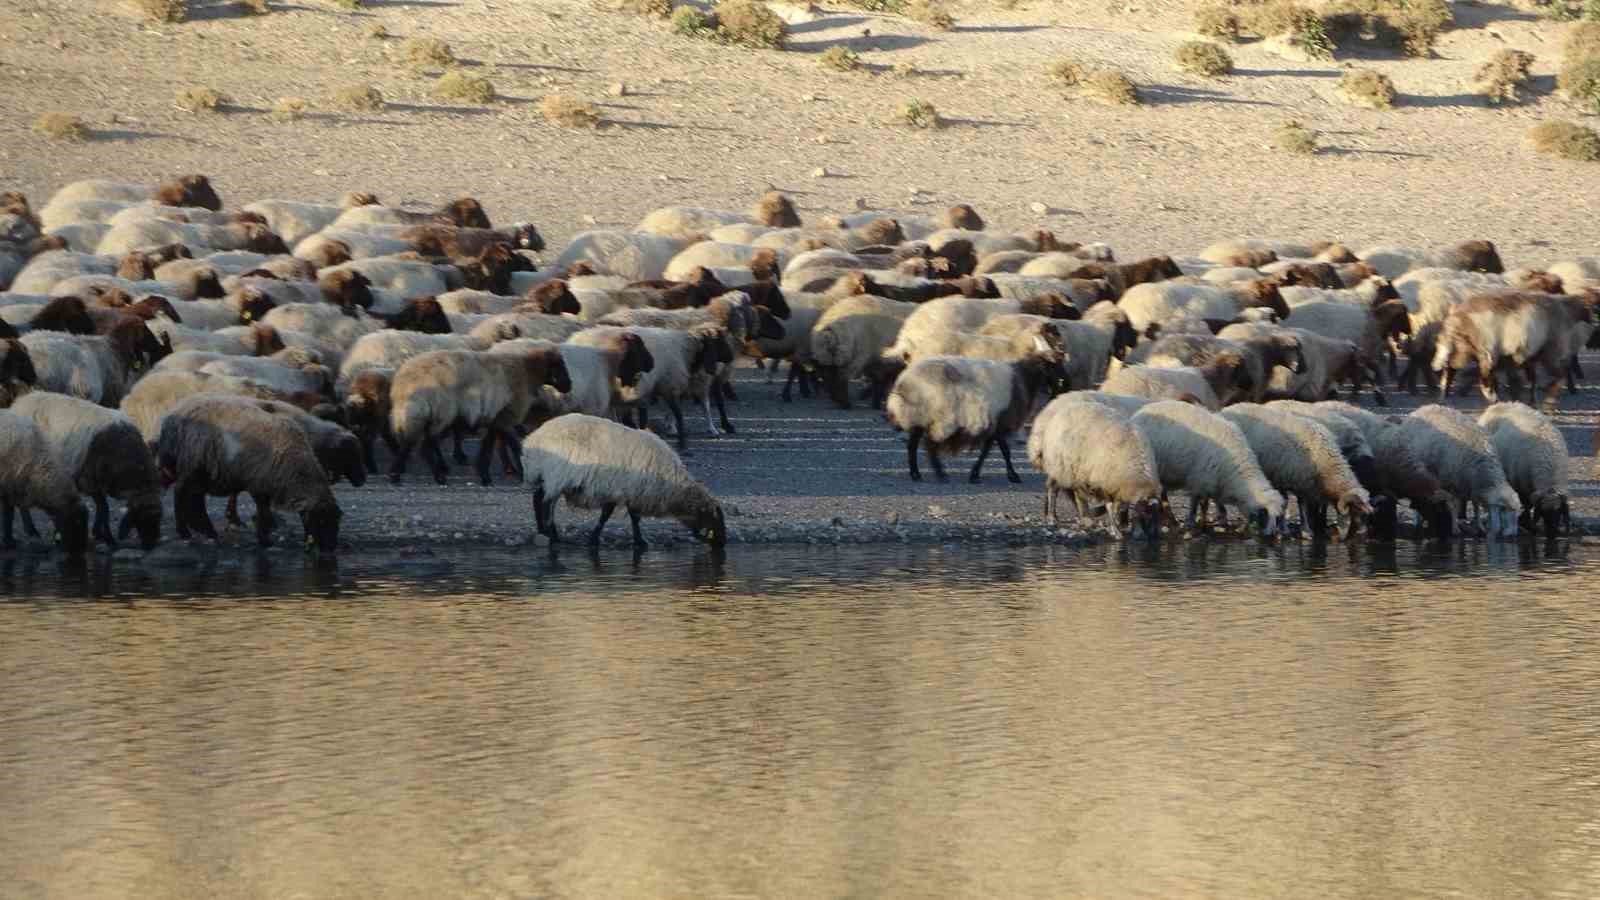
(245, 315)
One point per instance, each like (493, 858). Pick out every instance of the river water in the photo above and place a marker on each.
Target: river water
(1200, 720)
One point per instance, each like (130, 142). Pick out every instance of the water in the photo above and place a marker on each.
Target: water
(1198, 721)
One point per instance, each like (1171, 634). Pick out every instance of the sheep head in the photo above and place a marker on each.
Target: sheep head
(764, 265)
(1480, 256)
(329, 252)
(964, 217)
(466, 212)
(68, 314)
(188, 190)
(15, 363)
(776, 211)
(423, 314)
(707, 523)
(152, 305)
(553, 298)
(1263, 292)
(959, 258)
(135, 266)
(253, 304)
(258, 238)
(321, 524)
(346, 288)
(208, 285)
(767, 294)
(636, 359)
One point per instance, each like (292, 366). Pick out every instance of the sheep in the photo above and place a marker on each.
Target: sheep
(17, 375)
(44, 270)
(613, 361)
(956, 314)
(1083, 292)
(32, 476)
(338, 450)
(446, 389)
(1533, 455)
(78, 237)
(186, 190)
(1095, 453)
(1525, 330)
(595, 463)
(390, 349)
(94, 285)
(1392, 262)
(288, 372)
(712, 255)
(96, 368)
(1250, 252)
(105, 455)
(1160, 301)
(850, 338)
(1350, 436)
(240, 340)
(795, 345)
(635, 256)
(1325, 361)
(322, 320)
(954, 402)
(1460, 453)
(1396, 474)
(366, 408)
(680, 359)
(1008, 338)
(456, 242)
(465, 212)
(142, 234)
(221, 445)
(68, 315)
(1260, 354)
(1214, 383)
(984, 242)
(405, 278)
(1578, 274)
(773, 210)
(1370, 328)
(1206, 455)
(153, 396)
(1370, 292)
(1301, 458)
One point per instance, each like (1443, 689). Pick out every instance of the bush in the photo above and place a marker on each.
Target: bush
(1500, 78)
(919, 114)
(750, 23)
(1216, 21)
(161, 11)
(932, 13)
(1279, 17)
(61, 127)
(655, 9)
(569, 112)
(840, 59)
(1367, 88)
(1295, 138)
(289, 109)
(258, 7)
(1068, 72)
(1111, 86)
(1408, 25)
(358, 98)
(1567, 140)
(1580, 81)
(199, 99)
(1203, 58)
(426, 52)
(691, 22)
(458, 85)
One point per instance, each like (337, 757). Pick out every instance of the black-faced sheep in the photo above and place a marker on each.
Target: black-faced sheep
(1533, 455)
(1160, 301)
(1392, 262)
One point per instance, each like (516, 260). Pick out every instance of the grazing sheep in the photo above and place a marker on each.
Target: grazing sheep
(446, 389)
(366, 408)
(294, 221)
(32, 476)
(1214, 383)
(154, 395)
(97, 369)
(1260, 354)
(954, 403)
(105, 455)
(1097, 456)
(1161, 301)
(1206, 455)
(221, 446)
(1459, 452)
(1392, 262)
(634, 256)
(323, 321)
(143, 233)
(390, 349)
(1396, 474)
(289, 372)
(239, 340)
(1301, 458)
(1533, 455)
(849, 341)
(44, 270)
(1516, 329)
(338, 450)
(465, 212)
(595, 463)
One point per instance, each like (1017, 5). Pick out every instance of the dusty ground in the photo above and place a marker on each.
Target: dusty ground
(711, 125)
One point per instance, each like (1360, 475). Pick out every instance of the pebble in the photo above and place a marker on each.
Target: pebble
(1038, 209)
(619, 89)
(820, 172)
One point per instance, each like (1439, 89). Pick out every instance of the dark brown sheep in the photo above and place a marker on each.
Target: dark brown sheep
(551, 298)
(188, 190)
(490, 271)
(1317, 275)
(68, 314)
(366, 409)
(963, 216)
(346, 288)
(423, 314)
(701, 287)
(1156, 268)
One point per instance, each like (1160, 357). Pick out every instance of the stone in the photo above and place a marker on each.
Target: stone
(1038, 209)
(618, 89)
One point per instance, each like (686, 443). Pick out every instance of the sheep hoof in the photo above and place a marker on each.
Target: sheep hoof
(440, 479)
(1014, 478)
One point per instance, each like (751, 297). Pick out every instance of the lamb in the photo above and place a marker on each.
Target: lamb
(1533, 455)
(1301, 458)
(222, 446)
(954, 402)
(1214, 383)
(1202, 453)
(465, 212)
(1095, 453)
(32, 476)
(1460, 453)
(593, 463)
(1392, 262)
(445, 389)
(102, 451)
(850, 338)
(681, 361)
(1147, 304)
(634, 256)
(1530, 331)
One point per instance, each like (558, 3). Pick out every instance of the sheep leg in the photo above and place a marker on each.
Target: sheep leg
(677, 419)
(1574, 372)
(787, 394)
(938, 464)
(538, 508)
(1194, 508)
(368, 441)
(28, 528)
(1446, 379)
(1486, 379)
(1005, 453)
(102, 521)
(8, 540)
(726, 393)
(1552, 393)
(511, 458)
(1050, 499)
(398, 466)
(641, 419)
(231, 515)
(1377, 389)
(435, 457)
(977, 467)
(194, 501)
(485, 456)
(722, 411)
(809, 384)
(459, 454)
(605, 513)
(638, 535)
(711, 427)
(913, 438)
(264, 519)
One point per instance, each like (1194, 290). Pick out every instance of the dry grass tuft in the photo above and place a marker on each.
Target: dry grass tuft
(1111, 86)
(256, 7)
(917, 113)
(358, 98)
(655, 9)
(376, 31)
(932, 13)
(750, 23)
(61, 127)
(160, 11)
(691, 22)
(1216, 21)
(1367, 88)
(1295, 138)
(199, 99)
(1503, 75)
(347, 5)
(1203, 58)
(569, 112)
(289, 109)
(458, 85)
(1579, 79)
(905, 70)
(840, 59)
(427, 53)
(1067, 72)
(1566, 140)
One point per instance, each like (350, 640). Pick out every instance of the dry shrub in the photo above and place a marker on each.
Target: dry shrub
(358, 98)
(289, 109)
(1068, 72)
(1579, 79)
(655, 9)
(1295, 138)
(569, 112)
(1217, 21)
(1300, 24)
(426, 52)
(749, 23)
(932, 13)
(199, 99)
(918, 113)
(376, 31)
(1583, 40)
(691, 22)
(1367, 88)
(257, 7)
(160, 11)
(1500, 78)
(840, 59)
(458, 85)
(1111, 86)
(1203, 58)
(61, 127)
(1408, 25)
(905, 70)
(1567, 140)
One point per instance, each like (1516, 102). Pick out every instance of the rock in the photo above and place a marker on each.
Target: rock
(820, 172)
(618, 89)
(1038, 209)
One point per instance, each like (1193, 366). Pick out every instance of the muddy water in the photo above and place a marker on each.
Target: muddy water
(1195, 721)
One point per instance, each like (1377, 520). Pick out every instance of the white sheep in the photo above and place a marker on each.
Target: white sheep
(1324, 361)
(599, 373)
(81, 237)
(43, 271)
(32, 476)
(1301, 458)
(597, 464)
(294, 221)
(154, 395)
(1206, 455)
(1370, 328)
(543, 326)
(1259, 354)
(850, 338)
(1160, 301)
(681, 360)
(90, 368)
(1533, 455)
(1392, 261)
(324, 321)
(389, 349)
(1395, 473)
(1097, 455)
(405, 278)
(1578, 274)
(631, 255)
(1460, 454)
(1214, 383)
(289, 373)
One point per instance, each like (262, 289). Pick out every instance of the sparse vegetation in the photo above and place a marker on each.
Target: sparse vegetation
(1566, 140)
(164, 12)
(458, 85)
(1203, 58)
(1409, 25)
(347, 5)
(1583, 40)
(906, 69)
(691, 22)
(1295, 138)
(655, 9)
(289, 109)
(427, 53)
(1579, 79)
(1502, 77)
(257, 7)
(1302, 26)
(376, 31)
(199, 99)
(932, 13)
(1367, 88)
(1217, 21)
(1067, 72)
(840, 59)
(358, 98)
(569, 112)
(918, 113)
(61, 127)
(1111, 86)
(750, 23)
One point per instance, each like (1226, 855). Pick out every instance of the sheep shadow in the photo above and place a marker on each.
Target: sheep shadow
(997, 29)
(861, 43)
(1173, 95)
(435, 108)
(1288, 73)
(541, 67)
(1358, 151)
(222, 11)
(882, 69)
(97, 135)
(953, 122)
(423, 4)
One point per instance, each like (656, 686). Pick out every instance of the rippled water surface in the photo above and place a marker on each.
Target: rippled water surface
(1188, 721)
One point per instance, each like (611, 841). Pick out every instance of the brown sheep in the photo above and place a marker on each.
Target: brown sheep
(366, 408)
(466, 243)
(776, 211)
(700, 288)
(188, 190)
(963, 216)
(68, 314)
(550, 298)
(1156, 268)
(422, 314)
(347, 288)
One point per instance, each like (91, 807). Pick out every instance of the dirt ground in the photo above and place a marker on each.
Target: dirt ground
(711, 125)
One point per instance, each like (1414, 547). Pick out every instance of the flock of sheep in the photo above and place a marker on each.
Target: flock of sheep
(151, 339)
